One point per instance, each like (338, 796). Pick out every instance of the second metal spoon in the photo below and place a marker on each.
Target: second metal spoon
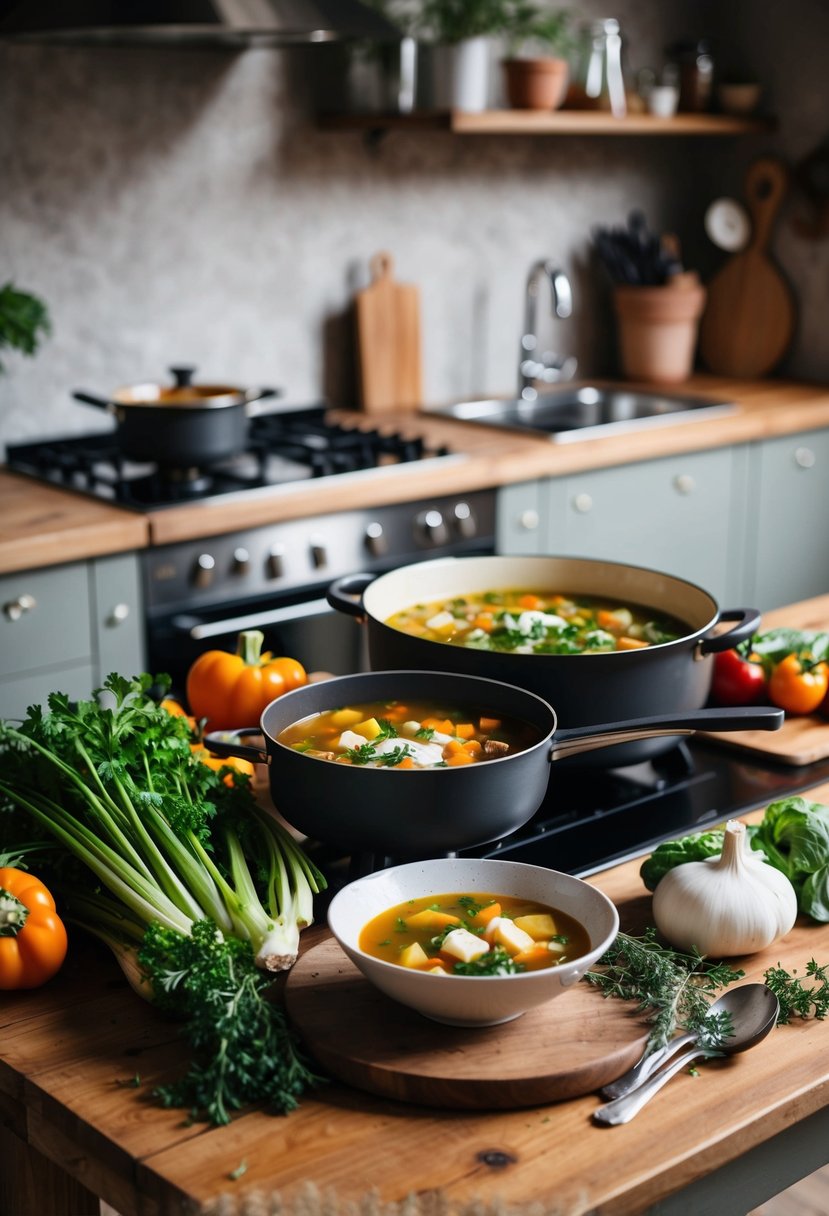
(753, 1008)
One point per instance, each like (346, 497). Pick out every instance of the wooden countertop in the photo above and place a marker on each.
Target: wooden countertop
(69, 1052)
(41, 525)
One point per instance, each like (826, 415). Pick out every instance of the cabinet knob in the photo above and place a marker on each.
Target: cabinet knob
(17, 608)
(804, 458)
(529, 520)
(241, 560)
(319, 553)
(583, 503)
(684, 483)
(118, 614)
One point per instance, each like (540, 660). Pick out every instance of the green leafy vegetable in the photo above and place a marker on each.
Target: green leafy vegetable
(670, 853)
(243, 1049)
(171, 847)
(794, 835)
(24, 320)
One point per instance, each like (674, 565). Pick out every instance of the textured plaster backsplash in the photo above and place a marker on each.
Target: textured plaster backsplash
(180, 206)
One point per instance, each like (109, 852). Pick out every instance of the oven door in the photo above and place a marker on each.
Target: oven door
(303, 627)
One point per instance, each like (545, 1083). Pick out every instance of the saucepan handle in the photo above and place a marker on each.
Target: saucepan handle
(223, 744)
(749, 623)
(346, 594)
(576, 739)
(255, 395)
(90, 399)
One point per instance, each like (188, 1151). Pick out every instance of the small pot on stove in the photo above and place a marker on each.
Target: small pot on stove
(182, 424)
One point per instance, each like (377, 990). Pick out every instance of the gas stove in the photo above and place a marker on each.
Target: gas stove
(284, 447)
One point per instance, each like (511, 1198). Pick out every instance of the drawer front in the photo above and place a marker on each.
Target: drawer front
(118, 616)
(44, 619)
(17, 693)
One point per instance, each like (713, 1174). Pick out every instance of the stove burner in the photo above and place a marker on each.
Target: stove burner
(284, 446)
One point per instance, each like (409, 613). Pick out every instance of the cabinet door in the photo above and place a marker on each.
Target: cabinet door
(118, 616)
(677, 514)
(530, 517)
(790, 509)
(44, 619)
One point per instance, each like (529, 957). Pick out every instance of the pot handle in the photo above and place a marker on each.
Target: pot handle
(576, 739)
(222, 743)
(90, 399)
(346, 594)
(749, 622)
(253, 395)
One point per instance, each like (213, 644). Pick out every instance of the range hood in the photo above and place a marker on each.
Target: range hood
(233, 23)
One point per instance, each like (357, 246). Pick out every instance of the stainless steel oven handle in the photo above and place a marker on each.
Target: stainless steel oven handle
(199, 630)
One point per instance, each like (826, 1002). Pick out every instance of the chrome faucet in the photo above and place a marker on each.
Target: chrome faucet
(550, 367)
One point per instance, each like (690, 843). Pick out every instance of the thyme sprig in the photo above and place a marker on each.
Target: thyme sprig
(799, 1000)
(675, 989)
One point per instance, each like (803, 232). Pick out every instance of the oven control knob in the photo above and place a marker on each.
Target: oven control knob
(203, 571)
(241, 561)
(432, 527)
(319, 553)
(276, 562)
(465, 522)
(376, 540)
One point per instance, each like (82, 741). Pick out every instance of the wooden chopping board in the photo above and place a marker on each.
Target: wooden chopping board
(569, 1047)
(749, 318)
(800, 740)
(388, 341)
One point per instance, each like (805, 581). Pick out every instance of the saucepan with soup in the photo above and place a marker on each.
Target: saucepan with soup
(602, 641)
(413, 764)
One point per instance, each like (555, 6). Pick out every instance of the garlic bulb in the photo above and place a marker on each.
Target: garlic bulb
(732, 904)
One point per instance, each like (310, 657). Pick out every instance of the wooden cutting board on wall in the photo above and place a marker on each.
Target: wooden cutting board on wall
(749, 318)
(388, 341)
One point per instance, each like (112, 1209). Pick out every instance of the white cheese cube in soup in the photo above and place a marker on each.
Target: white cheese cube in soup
(464, 946)
(349, 739)
(423, 754)
(504, 932)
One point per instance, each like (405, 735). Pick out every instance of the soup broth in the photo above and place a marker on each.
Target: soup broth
(537, 622)
(480, 934)
(406, 735)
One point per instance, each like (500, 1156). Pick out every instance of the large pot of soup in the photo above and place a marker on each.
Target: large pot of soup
(402, 764)
(600, 640)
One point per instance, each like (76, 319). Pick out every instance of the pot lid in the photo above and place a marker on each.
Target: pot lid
(232, 23)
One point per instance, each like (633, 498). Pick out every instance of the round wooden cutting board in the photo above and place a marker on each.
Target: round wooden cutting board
(568, 1047)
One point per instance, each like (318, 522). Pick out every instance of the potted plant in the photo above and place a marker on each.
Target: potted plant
(461, 33)
(536, 68)
(23, 321)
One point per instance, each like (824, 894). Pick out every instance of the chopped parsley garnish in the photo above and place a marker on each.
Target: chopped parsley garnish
(363, 754)
(394, 757)
(495, 962)
(425, 733)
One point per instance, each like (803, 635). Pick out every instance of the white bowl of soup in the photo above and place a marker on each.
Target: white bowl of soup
(472, 942)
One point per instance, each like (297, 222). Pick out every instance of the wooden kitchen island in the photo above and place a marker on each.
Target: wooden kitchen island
(79, 1058)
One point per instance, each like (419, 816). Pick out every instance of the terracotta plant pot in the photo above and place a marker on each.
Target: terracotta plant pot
(658, 329)
(536, 84)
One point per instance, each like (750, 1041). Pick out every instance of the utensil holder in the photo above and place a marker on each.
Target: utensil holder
(658, 328)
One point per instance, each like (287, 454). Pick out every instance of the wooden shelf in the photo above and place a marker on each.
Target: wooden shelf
(557, 122)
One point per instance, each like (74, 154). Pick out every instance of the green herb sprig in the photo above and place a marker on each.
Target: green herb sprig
(675, 989)
(799, 1000)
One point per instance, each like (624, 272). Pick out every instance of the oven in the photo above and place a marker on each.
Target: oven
(199, 595)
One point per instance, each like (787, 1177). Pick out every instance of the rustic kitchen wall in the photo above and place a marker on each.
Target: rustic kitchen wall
(181, 205)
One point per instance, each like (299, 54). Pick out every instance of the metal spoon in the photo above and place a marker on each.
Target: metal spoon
(733, 1001)
(753, 1008)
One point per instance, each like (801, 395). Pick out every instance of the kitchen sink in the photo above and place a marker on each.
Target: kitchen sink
(586, 411)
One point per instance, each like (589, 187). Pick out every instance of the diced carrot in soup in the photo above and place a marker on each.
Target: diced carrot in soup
(465, 730)
(626, 643)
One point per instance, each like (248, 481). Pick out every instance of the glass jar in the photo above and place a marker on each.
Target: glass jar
(696, 74)
(598, 80)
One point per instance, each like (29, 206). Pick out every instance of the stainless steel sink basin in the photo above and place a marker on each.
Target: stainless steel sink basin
(585, 411)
